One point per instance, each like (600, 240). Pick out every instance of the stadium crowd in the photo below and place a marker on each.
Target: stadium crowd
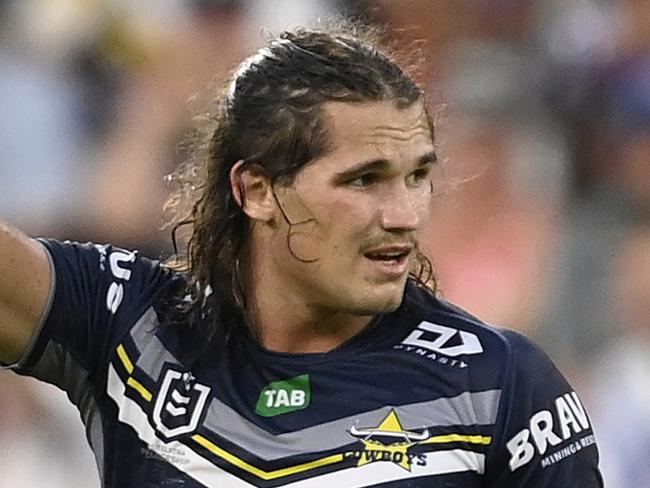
(542, 219)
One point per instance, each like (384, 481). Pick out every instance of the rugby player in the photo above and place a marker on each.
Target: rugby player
(300, 341)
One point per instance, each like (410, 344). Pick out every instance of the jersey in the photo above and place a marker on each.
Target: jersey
(426, 396)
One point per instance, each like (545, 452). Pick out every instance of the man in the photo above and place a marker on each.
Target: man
(303, 344)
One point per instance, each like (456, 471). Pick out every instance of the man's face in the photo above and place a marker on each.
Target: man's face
(358, 210)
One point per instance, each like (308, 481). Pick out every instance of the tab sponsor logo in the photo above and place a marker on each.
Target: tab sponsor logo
(281, 397)
(549, 428)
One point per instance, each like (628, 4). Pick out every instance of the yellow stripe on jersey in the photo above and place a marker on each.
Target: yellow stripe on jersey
(265, 475)
(470, 439)
(131, 381)
(124, 357)
(137, 386)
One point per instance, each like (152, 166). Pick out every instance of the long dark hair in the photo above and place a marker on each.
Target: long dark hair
(269, 114)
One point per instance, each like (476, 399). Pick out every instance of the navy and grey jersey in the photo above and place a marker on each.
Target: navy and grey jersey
(426, 396)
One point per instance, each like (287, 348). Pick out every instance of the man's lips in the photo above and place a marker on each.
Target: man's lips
(389, 253)
(390, 261)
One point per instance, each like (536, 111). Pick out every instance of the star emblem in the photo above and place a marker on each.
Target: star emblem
(388, 441)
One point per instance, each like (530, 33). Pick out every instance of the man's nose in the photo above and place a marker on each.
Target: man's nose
(402, 210)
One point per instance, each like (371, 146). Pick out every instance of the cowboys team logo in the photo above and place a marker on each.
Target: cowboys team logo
(179, 404)
(388, 442)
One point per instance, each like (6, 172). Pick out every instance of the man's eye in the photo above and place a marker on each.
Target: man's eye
(419, 176)
(364, 180)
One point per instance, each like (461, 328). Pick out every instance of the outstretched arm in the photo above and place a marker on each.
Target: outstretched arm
(25, 277)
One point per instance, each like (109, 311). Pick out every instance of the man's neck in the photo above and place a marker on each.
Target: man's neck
(282, 325)
(283, 321)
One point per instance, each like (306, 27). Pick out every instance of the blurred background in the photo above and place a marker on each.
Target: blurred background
(543, 123)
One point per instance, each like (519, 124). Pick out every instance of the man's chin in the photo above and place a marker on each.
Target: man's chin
(381, 304)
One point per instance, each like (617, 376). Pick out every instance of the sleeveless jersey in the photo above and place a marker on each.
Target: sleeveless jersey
(426, 396)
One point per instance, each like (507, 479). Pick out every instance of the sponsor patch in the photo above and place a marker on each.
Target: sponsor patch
(281, 397)
(549, 428)
(442, 344)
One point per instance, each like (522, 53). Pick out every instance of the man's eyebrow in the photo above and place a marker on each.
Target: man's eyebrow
(363, 167)
(430, 157)
(380, 165)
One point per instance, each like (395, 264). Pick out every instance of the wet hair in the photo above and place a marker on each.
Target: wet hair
(270, 115)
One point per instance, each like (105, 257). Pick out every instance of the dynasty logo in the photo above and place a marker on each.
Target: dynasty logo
(388, 442)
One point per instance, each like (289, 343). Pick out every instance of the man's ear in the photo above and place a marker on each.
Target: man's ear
(252, 191)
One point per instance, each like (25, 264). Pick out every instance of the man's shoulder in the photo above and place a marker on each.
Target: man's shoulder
(428, 311)
(440, 327)
(115, 286)
(117, 263)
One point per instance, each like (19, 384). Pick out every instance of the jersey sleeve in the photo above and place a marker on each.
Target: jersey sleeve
(543, 436)
(98, 293)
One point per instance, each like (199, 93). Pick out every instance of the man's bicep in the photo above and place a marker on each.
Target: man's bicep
(25, 282)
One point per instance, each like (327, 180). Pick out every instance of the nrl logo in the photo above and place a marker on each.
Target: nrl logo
(389, 441)
(179, 404)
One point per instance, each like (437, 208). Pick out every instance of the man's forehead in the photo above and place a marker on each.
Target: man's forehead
(378, 122)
